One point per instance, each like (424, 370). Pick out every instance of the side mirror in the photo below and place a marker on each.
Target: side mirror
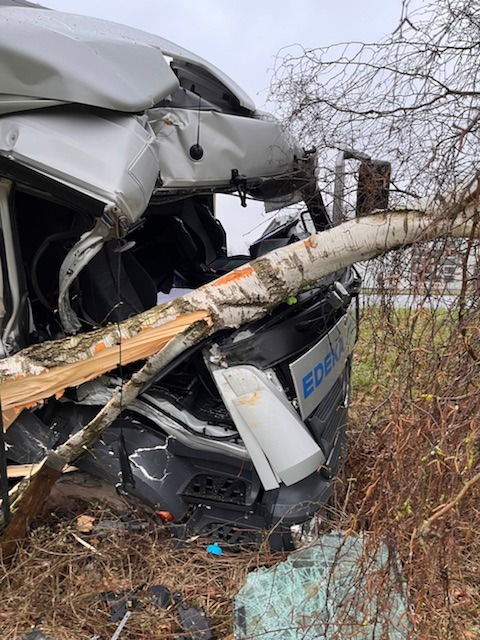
(373, 186)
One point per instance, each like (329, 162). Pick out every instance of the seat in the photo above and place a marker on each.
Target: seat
(114, 286)
(201, 241)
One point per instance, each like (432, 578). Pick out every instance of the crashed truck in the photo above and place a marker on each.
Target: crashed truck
(113, 146)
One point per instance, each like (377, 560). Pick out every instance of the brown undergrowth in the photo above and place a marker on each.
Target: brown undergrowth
(413, 465)
(57, 582)
(409, 482)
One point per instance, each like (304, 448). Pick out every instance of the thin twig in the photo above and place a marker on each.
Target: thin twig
(442, 510)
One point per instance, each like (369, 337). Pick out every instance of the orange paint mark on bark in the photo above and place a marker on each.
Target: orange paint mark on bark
(238, 274)
(99, 347)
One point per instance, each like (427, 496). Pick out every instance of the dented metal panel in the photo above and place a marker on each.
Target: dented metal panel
(112, 158)
(256, 148)
(48, 56)
(184, 55)
(59, 56)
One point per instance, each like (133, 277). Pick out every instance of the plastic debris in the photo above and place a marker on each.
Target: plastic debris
(215, 549)
(161, 595)
(106, 527)
(120, 603)
(164, 516)
(193, 620)
(121, 624)
(36, 634)
(340, 587)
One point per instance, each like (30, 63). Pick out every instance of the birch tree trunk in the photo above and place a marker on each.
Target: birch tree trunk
(241, 296)
(161, 334)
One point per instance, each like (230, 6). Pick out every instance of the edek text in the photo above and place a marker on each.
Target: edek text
(323, 369)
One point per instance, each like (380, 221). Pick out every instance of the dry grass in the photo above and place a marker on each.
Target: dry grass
(55, 579)
(414, 445)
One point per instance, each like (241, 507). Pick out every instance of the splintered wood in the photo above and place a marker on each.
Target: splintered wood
(24, 391)
(243, 295)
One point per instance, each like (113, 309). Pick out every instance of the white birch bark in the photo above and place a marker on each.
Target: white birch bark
(243, 295)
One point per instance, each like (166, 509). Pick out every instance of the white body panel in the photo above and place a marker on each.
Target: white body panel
(256, 148)
(316, 371)
(112, 158)
(54, 56)
(275, 437)
(48, 55)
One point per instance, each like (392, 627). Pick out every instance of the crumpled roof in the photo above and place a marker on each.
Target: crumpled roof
(58, 57)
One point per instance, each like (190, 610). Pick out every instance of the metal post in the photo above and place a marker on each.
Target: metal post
(338, 213)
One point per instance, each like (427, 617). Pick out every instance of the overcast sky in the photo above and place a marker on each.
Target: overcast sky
(242, 38)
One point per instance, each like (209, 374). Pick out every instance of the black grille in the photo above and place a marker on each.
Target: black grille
(337, 420)
(218, 488)
(331, 401)
(231, 534)
(330, 415)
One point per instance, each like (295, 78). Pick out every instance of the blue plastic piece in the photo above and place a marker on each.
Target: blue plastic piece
(341, 587)
(215, 549)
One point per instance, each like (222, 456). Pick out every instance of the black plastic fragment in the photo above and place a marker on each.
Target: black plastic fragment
(193, 620)
(162, 595)
(120, 603)
(36, 634)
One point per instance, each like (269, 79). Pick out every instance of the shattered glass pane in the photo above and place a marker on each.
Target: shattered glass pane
(341, 587)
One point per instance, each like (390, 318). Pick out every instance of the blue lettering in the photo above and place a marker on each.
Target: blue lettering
(328, 364)
(314, 378)
(338, 350)
(318, 374)
(307, 382)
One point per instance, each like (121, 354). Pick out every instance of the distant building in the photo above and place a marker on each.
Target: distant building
(435, 267)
